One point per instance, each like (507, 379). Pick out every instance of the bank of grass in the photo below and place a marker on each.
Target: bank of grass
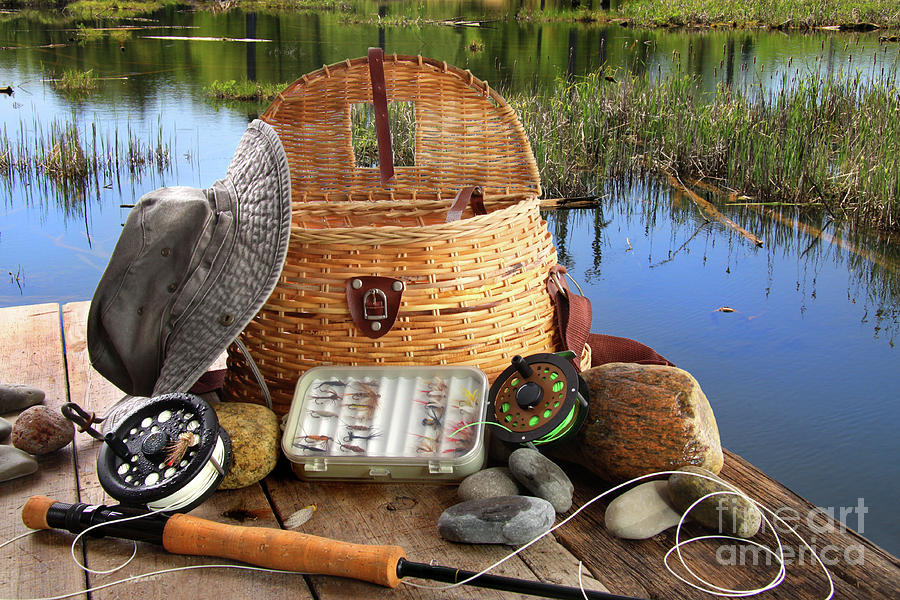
(789, 14)
(244, 90)
(92, 9)
(825, 141)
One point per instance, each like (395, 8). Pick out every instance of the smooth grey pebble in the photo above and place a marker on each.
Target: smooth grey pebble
(5, 428)
(15, 463)
(489, 483)
(510, 520)
(641, 512)
(16, 396)
(542, 477)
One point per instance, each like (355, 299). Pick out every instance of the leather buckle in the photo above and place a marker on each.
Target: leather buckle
(374, 303)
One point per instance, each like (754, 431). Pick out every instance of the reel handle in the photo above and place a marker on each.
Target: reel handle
(260, 546)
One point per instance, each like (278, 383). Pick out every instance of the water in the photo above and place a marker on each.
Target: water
(799, 375)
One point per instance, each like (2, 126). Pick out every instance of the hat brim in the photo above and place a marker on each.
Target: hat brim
(259, 183)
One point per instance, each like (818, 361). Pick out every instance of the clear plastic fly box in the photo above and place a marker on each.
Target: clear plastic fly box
(387, 423)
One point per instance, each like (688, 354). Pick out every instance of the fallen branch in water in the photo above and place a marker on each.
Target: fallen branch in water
(707, 207)
(567, 203)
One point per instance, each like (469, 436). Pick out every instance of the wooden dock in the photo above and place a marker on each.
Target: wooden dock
(44, 346)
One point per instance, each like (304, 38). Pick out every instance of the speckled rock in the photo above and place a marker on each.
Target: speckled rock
(543, 477)
(41, 430)
(16, 396)
(510, 520)
(489, 483)
(254, 434)
(725, 513)
(646, 418)
(5, 429)
(641, 512)
(15, 463)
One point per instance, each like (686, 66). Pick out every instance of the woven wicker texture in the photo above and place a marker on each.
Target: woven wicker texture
(466, 134)
(475, 289)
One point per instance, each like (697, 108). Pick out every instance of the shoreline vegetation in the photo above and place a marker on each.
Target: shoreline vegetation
(831, 143)
(838, 15)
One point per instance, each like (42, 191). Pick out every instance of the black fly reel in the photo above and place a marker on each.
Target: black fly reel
(170, 454)
(538, 400)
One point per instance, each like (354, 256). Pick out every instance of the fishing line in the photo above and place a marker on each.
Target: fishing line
(727, 593)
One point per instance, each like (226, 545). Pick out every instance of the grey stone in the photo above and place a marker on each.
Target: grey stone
(16, 396)
(728, 514)
(641, 512)
(489, 483)
(15, 463)
(42, 430)
(542, 477)
(510, 520)
(5, 429)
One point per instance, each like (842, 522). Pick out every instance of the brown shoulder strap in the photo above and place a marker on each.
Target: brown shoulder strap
(382, 125)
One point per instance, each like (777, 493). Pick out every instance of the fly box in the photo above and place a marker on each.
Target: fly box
(387, 423)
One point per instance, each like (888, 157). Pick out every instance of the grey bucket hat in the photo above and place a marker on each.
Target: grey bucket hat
(190, 270)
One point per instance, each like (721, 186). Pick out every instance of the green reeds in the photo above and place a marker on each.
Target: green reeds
(73, 158)
(833, 141)
(244, 90)
(785, 14)
(75, 83)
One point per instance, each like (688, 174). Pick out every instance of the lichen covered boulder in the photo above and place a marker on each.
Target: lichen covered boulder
(646, 418)
(254, 434)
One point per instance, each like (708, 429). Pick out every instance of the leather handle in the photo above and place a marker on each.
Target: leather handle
(382, 124)
(468, 195)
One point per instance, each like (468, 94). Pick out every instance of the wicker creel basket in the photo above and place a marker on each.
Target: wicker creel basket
(473, 289)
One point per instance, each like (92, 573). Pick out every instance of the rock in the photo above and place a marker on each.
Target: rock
(254, 434)
(15, 463)
(5, 429)
(646, 418)
(727, 514)
(542, 477)
(16, 396)
(489, 483)
(42, 430)
(510, 520)
(641, 512)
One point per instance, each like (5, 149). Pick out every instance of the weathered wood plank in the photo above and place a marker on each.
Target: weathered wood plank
(247, 506)
(406, 514)
(32, 353)
(636, 568)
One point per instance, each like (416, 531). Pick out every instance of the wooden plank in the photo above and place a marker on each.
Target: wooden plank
(32, 353)
(406, 514)
(247, 506)
(635, 567)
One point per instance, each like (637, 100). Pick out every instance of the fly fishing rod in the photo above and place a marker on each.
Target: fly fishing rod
(274, 548)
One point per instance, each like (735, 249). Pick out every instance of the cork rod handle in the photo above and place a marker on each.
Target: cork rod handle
(279, 549)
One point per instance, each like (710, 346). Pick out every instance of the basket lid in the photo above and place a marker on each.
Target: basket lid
(464, 133)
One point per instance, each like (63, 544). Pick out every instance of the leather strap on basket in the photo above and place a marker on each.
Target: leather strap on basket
(573, 315)
(464, 197)
(382, 125)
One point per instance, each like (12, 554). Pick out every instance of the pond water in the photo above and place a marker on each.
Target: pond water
(799, 375)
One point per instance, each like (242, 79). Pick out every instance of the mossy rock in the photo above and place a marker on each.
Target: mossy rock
(255, 436)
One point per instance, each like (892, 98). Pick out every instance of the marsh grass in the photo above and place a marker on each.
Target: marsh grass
(786, 14)
(832, 142)
(75, 83)
(244, 90)
(89, 9)
(73, 159)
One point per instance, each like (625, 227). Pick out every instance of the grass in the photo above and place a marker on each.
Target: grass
(90, 9)
(75, 83)
(825, 141)
(244, 90)
(73, 158)
(786, 14)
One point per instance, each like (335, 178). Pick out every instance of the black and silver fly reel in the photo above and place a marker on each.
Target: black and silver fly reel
(169, 454)
(537, 400)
